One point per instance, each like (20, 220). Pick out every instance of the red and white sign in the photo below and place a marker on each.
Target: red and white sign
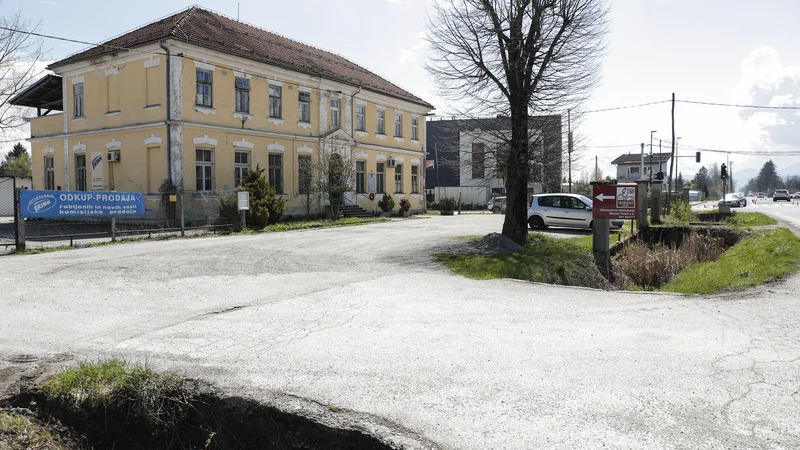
(614, 201)
(429, 164)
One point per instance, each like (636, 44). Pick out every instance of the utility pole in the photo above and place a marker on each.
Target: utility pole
(641, 164)
(673, 157)
(651, 159)
(596, 173)
(569, 147)
(730, 176)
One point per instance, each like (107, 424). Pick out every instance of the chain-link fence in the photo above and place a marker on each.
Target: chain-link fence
(182, 213)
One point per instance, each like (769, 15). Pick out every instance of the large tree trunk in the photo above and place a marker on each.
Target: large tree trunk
(516, 222)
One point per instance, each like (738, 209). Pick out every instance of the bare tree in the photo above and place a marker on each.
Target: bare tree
(20, 55)
(520, 59)
(335, 171)
(306, 185)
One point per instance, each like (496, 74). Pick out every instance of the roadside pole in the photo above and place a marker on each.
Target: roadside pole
(243, 203)
(19, 222)
(610, 201)
(601, 236)
(113, 229)
(641, 202)
(183, 222)
(655, 199)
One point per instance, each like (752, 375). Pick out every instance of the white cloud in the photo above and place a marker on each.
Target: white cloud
(767, 81)
(407, 56)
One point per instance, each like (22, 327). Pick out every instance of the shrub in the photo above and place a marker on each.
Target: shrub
(386, 203)
(266, 207)
(448, 204)
(681, 212)
(405, 205)
(229, 210)
(653, 267)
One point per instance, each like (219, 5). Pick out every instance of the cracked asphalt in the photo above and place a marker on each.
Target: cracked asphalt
(358, 327)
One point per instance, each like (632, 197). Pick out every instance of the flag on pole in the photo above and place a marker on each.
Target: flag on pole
(429, 164)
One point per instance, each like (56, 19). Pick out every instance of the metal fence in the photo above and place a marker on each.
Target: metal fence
(183, 213)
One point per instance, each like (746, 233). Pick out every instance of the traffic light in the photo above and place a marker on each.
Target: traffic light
(723, 171)
(697, 157)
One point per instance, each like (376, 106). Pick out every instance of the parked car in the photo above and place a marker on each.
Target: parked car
(760, 195)
(796, 195)
(562, 210)
(733, 200)
(781, 194)
(497, 204)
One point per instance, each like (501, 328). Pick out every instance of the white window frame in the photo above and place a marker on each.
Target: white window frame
(381, 122)
(242, 101)
(398, 179)
(415, 179)
(78, 96)
(304, 107)
(200, 97)
(49, 173)
(275, 94)
(80, 173)
(335, 112)
(204, 164)
(361, 123)
(414, 129)
(361, 176)
(240, 169)
(380, 178)
(398, 125)
(277, 183)
(300, 167)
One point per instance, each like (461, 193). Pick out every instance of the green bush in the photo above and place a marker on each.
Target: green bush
(448, 204)
(266, 207)
(386, 203)
(681, 212)
(229, 210)
(405, 205)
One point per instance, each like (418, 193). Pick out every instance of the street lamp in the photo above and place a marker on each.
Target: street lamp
(651, 155)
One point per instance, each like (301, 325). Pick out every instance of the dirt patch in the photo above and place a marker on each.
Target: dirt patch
(493, 244)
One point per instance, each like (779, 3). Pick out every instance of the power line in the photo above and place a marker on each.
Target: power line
(739, 152)
(627, 107)
(732, 105)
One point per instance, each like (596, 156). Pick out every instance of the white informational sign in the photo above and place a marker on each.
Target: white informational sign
(98, 178)
(371, 184)
(243, 198)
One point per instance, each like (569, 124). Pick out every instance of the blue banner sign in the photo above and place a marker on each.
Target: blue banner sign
(80, 204)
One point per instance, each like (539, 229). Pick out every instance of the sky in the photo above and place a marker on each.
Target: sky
(700, 50)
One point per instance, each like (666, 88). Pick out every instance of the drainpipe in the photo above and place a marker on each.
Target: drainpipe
(169, 119)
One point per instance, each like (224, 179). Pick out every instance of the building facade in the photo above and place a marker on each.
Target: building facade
(464, 153)
(629, 166)
(192, 101)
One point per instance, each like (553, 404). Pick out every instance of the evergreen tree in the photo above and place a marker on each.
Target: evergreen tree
(768, 179)
(700, 181)
(17, 162)
(679, 182)
(266, 207)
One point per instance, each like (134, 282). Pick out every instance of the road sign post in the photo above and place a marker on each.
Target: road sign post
(610, 201)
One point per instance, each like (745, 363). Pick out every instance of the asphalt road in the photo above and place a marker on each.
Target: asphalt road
(358, 327)
(786, 212)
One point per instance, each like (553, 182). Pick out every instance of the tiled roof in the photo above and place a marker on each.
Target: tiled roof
(213, 31)
(636, 158)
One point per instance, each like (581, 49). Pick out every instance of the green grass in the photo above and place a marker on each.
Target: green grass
(154, 397)
(17, 431)
(543, 259)
(323, 223)
(762, 257)
(751, 219)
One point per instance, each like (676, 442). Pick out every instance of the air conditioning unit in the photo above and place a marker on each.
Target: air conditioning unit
(392, 163)
(113, 156)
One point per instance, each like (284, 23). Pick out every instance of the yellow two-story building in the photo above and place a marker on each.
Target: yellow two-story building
(192, 101)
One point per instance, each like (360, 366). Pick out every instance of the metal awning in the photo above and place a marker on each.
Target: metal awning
(43, 94)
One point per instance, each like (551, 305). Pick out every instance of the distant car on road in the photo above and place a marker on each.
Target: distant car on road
(497, 204)
(733, 200)
(760, 195)
(562, 210)
(781, 194)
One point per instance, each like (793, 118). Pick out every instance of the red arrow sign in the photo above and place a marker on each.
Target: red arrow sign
(614, 201)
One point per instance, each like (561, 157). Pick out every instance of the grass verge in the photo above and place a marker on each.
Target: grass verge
(750, 219)
(543, 259)
(323, 223)
(18, 431)
(764, 256)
